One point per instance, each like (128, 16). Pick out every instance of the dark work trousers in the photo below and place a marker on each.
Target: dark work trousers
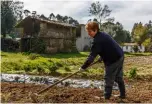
(114, 72)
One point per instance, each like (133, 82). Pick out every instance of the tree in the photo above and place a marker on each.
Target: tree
(108, 27)
(65, 19)
(8, 19)
(122, 36)
(43, 17)
(18, 9)
(128, 36)
(148, 41)
(140, 33)
(116, 31)
(52, 16)
(11, 12)
(99, 12)
(59, 17)
(73, 21)
(94, 20)
(15, 6)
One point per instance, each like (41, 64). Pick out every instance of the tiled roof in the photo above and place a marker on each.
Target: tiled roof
(48, 21)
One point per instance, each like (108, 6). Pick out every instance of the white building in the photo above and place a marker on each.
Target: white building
(83, 41)
(129, 47)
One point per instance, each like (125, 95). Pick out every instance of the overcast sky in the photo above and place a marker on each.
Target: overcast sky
(126, 12)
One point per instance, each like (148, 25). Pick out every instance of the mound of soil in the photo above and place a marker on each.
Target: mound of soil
(139, 92)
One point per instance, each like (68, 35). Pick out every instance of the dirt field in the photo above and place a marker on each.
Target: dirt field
(139, 92)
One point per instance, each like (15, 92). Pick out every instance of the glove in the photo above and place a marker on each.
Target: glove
(81, 69)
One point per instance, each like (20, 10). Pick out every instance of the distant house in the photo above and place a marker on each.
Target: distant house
(83, 40)
(130, 47)
(59, 37)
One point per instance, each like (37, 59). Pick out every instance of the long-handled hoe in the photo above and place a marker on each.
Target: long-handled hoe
(34, 96)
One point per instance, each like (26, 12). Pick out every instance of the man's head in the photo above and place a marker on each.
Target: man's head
(92, 28)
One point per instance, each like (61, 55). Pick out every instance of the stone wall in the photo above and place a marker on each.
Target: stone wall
(58, 38)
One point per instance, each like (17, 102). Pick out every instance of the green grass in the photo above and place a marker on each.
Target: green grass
(55, 65)
(66, 55)
(45, 64)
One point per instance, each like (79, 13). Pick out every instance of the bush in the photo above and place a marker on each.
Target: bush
(17, 66)
(133, 73)
(58, 64)
(135, 48)
(40, 69)
(11, 66)
(38, 45)
(29, 66)
(33, 56)
(67, 68)
(9, 44)
(53, 68)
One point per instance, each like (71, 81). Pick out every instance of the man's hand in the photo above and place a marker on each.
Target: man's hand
(81, 69)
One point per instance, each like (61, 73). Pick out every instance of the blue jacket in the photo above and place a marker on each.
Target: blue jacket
(107, 48)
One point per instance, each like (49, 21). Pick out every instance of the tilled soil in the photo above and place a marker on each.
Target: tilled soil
(139, 92)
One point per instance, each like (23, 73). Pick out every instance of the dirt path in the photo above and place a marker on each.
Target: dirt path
(140, 91)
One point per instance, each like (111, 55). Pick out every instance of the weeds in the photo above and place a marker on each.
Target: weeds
(61, 64)
(133, 73)
(33, 56)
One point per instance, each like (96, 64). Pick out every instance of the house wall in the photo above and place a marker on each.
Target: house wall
(84, 39)
(58, 38)
(141, 48)
(19, 32)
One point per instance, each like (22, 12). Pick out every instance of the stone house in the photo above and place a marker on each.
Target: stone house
(59, 37)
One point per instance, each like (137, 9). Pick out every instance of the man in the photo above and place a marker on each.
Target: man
(112, 56)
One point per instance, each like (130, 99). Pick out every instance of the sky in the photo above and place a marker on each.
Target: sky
(126, 12)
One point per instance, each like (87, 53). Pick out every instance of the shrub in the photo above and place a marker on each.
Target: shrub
(59, 64)
(135, 48)
(17, 66)
(40, 68)
(133, 73)
(33, 56)
(38, 45)
(28, 66)
(67, 68)
(53, 68)
(9, 44)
